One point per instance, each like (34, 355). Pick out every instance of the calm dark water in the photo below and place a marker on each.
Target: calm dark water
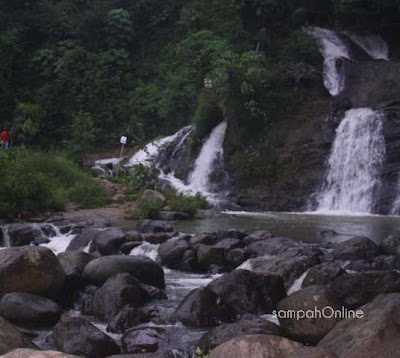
(303, 227)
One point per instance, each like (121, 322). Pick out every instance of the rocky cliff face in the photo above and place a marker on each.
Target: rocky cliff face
(309, 134)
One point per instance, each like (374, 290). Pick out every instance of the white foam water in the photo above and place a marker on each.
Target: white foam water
(59, 242)
(146, 249)
(148, 155)
(297, 284)
(355, 164)
(333, 49)
(372, 44)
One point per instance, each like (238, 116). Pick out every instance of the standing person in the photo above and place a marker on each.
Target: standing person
(5, 139)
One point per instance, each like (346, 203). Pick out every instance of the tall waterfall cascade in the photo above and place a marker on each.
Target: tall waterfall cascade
(372, 44)
(209, 158)
(355, 164)
(332, 48)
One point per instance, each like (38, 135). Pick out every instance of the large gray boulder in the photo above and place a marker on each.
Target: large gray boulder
(290, 264)
(203, 307)
(248, 324)
(144, 269)
(249, 292)
(118, 291)
(356, 248)
(171, 252)
(76, 335)
(32, 353)
(312, 352)
(109, 241)
(391, 243)
(308, 329)
(154, 226)
(233, 294)
(375, 335)
(11, 338)
(323, 274)
(143, 339)
(256, 346)
(24, 234)
(25, 308)
(30, 269)
(356, 289)
(83, 239)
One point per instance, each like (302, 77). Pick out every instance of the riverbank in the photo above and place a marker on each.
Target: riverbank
(156, 290)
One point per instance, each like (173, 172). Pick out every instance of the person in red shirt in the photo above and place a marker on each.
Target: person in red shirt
(5, 139)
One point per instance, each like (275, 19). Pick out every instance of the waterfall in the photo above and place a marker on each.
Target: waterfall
(148, 155)
(373, 45)
(332, 48)
(355, 164)
(395, 210)
(199, 179)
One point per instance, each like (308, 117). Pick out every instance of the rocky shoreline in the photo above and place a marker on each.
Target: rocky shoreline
(85, 288)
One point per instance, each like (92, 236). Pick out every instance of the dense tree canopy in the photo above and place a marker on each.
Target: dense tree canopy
(74, 71)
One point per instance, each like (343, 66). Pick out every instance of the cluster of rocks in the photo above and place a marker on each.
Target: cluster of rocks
(257, 276)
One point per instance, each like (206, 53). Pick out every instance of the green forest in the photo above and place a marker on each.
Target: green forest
(77, 74)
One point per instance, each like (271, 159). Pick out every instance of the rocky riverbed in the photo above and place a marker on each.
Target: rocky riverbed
(84, 288)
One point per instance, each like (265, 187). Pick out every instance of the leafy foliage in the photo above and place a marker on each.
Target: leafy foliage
(33, 182)
(186, 203)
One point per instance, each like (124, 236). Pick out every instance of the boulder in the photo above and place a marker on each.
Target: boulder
(129, 246)
(171, 252)
(30, 269)
(109, 241)
(308, 329)
(390, 244)
(127, 318)
(374, 335)
(144, 269)
(118, 291)
(74, 263)
(257, 235)
(154, 195)
(83, 239)
(273, 246)
(205, 239)
(141, 355)
(289, 264)
(233, 234)
(24, 234)
(229, 244)
(210, 255)
(11, 338)
(153, 226)
(32, 353)
(312, 352)
(249, 292)
(203, 307)
(76, 335)
(157, 238)
(143, 339)
(322, 274)
(247, 325)
(356, 289)
(173, 215)
(235, 257)
(25, 308)
(256, 346)
(356, 248)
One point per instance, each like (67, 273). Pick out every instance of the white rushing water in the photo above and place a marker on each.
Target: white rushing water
(372, 44)
(332, 48)
(355, 163)
(199, 178)
(297, 284)
(147, 155)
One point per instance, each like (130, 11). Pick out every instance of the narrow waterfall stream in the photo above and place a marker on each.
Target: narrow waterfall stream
(209, 158)
(332, 48)
(354, 167)
(372, 44)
